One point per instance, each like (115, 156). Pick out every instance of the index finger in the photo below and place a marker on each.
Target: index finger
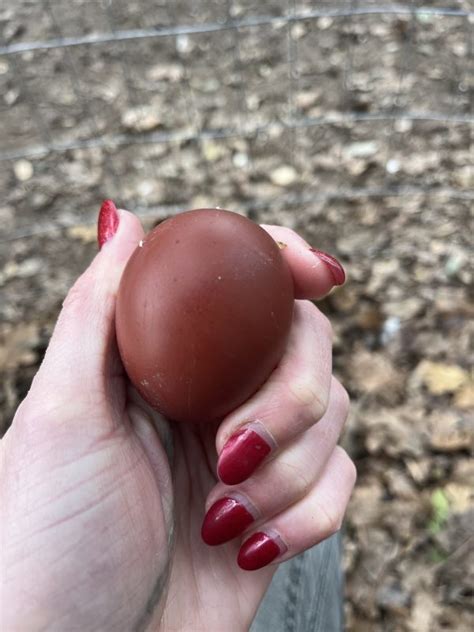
(314, 272)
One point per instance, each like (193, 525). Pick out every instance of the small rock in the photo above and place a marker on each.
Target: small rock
(10, 97)
(283, 176)
(305, 100)
(141, 119)
(392, 166)
(364, 149)
(455, 263)
(23, 170)
(298, 30)
(325, 23)
(184, 44)
(165, 72)
(390, 329)
(240, 160)
(213, 151)
(464, 176)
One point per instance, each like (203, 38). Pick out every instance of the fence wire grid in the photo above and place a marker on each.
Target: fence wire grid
(165, 104)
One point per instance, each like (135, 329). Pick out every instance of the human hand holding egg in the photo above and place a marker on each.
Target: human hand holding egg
(105, 498)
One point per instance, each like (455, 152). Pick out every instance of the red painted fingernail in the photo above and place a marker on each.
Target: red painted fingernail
(241, 455)
(226, 519)
(258, 551)
(333, 265)
(108, 222)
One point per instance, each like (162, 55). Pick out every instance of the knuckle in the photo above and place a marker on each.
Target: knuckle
(74, 300)
(315, 318)
(324, 325)
(341, 395)
(330, 521)
(304, 394)
(293, 481)
(347, 466)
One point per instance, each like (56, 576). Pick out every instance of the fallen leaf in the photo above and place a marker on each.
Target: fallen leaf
(18, 346)
(86, 233)
(374, 374)
(460, 497)
(425, 609)
(464, 397)
(440, 378)
(450, 432)
(365, 506)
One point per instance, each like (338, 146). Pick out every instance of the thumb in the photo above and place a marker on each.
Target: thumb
(77, 363)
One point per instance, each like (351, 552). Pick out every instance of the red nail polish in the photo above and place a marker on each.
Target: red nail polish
(225, 520)
(333, 265)
(241, 455)
(258, 551)
(108, 222)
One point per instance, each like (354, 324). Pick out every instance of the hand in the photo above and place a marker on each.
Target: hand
(103, 500)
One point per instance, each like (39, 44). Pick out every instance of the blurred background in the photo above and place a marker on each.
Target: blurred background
(347, 121)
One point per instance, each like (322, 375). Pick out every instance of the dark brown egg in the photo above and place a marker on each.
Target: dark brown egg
(203, 313)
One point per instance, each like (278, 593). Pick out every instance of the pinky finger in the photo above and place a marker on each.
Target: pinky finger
(306, 523)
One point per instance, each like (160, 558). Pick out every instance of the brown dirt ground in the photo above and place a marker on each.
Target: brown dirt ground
(390, 195)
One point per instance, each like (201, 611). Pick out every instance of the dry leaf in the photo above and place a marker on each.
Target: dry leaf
(18, 346)
(464, 398)
(440, 378)
(460, 497)
(424, 610)
(449, 432)
(84, 232)
(374, 374)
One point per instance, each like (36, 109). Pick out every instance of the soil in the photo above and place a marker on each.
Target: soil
(363, 146)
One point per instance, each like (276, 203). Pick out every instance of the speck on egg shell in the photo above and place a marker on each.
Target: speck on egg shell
(203, 313)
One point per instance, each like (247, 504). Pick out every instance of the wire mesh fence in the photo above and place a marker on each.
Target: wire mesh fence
(181, 102)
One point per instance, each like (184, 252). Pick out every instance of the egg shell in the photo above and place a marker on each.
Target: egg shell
(203, 314)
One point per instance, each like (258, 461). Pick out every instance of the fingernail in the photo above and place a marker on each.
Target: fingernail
(226, 519)
(259, 550)
(108, 222)
(243, 453)
(333, 265)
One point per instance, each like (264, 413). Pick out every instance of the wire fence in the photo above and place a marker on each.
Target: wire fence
(142, 93)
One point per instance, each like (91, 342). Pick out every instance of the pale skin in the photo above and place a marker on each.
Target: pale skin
(100, 530)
